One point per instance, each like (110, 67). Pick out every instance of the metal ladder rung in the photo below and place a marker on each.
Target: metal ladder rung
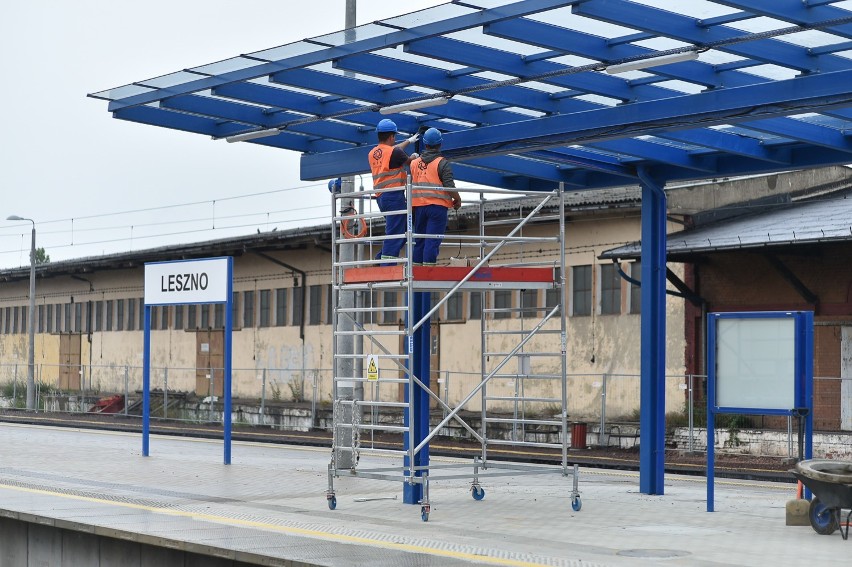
(523, 443)
(525, 332)
(536, 354)
(529, 376)
(365, 333)
(520, 421)
(514, 399)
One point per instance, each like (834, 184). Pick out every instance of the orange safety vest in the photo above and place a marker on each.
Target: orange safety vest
(426, 186)
(383, 176)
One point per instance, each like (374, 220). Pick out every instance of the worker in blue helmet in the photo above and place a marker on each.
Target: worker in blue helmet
(431, 198)
(389, 163)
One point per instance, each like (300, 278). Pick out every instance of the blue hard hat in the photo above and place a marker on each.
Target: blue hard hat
(386, 125)
(432, 137)
(334, 185)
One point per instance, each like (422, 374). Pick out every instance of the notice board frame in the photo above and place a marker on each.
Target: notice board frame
(796, 367)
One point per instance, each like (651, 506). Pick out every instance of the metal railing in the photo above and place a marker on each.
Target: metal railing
(607, 402)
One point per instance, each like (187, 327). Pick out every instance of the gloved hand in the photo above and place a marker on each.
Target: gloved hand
(414, 155)
(414, 138)
(457, 204)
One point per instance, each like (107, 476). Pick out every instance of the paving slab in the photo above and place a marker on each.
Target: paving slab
(270, 503)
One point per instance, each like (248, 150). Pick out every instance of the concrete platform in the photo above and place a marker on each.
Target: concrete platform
(269, 508)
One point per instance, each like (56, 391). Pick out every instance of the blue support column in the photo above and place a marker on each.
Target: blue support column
(419, 412)
(653, 349)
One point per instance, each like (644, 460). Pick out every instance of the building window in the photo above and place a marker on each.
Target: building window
(235, 308)
(154, 312)
(502, 301)
(131, 314)
(99, 316)
(219, 316)
(315, 306)
(119, 315)
(109, 315)
(40, 322)
(78, 317)
(67, 318)
(281, 307)
(205, 316)
(298, 310)
(551, 298)
(581, 290)
(191, 317)
(635, 290)
(57, 313)
(48, 316)
(434, 298)
(248, 309)
(610, 290)
(164, 317)
(179, 313)
(141, 314)
(265, 300)
(529, 303)
(329, 308)
(455, 307)
(390, 299)
(475, 305)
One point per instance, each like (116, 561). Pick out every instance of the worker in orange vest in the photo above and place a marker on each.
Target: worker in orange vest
(431, 176)
(388, 164)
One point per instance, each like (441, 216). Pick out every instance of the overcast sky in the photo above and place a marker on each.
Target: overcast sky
(64, 157)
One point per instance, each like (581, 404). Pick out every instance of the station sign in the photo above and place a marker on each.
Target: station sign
(186, 281)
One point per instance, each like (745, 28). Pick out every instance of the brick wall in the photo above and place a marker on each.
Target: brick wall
(748, 281)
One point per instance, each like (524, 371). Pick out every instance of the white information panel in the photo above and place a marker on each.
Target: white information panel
(755, 363)
(189, 281)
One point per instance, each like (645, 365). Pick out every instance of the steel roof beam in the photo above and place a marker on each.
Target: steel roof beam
(443, 80)
(683, 28)
(806, 132)
(547, 35)
(490, 59)
(310, 104)
(730, 143)
(220, 109)
(726, 106)
(595, 47)
(209, 127)
(796, 12)
(393, 38)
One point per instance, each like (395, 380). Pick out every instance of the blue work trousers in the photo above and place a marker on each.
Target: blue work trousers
(394, 224)
(432, 220)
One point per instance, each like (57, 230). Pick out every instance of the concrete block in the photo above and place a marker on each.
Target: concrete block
(79, 548)
(161, 557)
(797, 513)
(44, 546)
(13, 543)
(119, 553)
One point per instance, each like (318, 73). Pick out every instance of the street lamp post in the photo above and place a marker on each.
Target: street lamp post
(31, 320)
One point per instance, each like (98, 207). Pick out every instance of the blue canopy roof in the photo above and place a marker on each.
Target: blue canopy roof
(530, 94)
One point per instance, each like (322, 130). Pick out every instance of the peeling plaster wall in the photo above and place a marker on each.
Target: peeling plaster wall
(613, 340)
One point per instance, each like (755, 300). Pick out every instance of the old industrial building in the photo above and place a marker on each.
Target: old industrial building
(89, 315)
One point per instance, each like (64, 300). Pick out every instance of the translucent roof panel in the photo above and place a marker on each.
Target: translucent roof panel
(533, 93)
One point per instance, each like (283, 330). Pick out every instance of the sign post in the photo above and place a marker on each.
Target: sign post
(209, 280)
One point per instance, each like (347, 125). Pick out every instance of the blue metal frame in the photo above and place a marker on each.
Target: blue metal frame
(803, 394)
(227, 418)
(652, 404)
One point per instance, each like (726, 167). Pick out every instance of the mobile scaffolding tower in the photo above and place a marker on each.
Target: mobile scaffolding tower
(518, 367)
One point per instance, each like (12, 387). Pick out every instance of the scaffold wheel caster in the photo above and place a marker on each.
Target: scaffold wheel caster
(332, 502)
(424, 513)
(576, 504)
(477, 492)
